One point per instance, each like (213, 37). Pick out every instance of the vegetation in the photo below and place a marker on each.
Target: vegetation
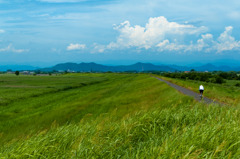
(17, 73)
(110, 116)
(237, 84)
(213, 77)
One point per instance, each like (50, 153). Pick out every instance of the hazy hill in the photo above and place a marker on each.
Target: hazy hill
(87, 67)
(138, 67)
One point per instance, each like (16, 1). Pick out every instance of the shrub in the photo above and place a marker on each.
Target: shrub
(238, 84)
(17, 73)
(219, 80)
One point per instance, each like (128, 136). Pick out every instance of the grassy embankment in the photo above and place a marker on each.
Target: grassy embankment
(128, 116)
(226, 93)
(29, 103)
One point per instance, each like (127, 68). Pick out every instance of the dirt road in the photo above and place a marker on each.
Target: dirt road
(189, 92)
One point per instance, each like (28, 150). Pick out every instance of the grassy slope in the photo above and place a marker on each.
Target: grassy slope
(226, 93)
(91, 94)
(135, 116)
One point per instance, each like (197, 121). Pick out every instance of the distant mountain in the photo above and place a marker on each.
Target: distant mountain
(207, 67)
(137, 67)
(16, 67)
(88, 67)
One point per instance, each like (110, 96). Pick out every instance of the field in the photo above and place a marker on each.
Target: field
(111, 116)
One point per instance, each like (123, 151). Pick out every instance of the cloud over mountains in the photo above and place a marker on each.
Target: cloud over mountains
(161, 35)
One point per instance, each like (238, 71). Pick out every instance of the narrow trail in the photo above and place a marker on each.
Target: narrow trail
(190, 93)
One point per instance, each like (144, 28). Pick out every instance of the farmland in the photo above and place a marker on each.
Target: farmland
(111, 116)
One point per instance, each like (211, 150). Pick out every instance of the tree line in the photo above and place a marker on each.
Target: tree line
(213, 77)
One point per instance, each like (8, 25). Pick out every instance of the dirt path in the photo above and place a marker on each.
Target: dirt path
(189, 92)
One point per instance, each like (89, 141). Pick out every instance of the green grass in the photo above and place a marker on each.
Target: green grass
(70, 98)
(226, 93)
(117, 116)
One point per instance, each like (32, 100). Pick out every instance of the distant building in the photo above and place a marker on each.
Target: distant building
(70, 71)
(186, 71)
(10, 72)
(25, 72)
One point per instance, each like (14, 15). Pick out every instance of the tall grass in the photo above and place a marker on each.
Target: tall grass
(178, 131)
(126, 116)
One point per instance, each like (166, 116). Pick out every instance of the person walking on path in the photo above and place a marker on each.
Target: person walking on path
(201, 89)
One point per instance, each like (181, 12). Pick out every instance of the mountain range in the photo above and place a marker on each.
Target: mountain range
(138, 67)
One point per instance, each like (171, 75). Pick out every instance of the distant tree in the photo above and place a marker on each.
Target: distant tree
(233, 75)
(37, 71)
(219, 80)
(192, 70)
(17, 73)
(238, 84)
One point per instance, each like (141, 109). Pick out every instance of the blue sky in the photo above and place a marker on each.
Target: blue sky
(46, 32)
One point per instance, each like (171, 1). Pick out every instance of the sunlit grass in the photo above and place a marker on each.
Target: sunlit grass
(120, 116)
(178, 131)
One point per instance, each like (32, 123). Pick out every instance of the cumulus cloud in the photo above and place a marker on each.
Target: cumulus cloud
(10, 48)
(205, 43)
(72, 47)
(154, 32)
(226, 41)
(2, 31)
(167, 46)
(162, 35)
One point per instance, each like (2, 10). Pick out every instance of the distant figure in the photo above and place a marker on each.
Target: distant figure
(201, 89)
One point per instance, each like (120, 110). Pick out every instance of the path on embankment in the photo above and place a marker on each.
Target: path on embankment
(190, 93)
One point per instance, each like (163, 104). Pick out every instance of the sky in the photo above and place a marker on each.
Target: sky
(113, 32)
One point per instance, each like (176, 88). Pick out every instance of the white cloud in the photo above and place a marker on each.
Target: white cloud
(10, 48)
(226, 41)
(2, 31)
(167, 46)
(155, 31)
(98, 48)
(163, 35)
(72, 47)
(206, 42)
